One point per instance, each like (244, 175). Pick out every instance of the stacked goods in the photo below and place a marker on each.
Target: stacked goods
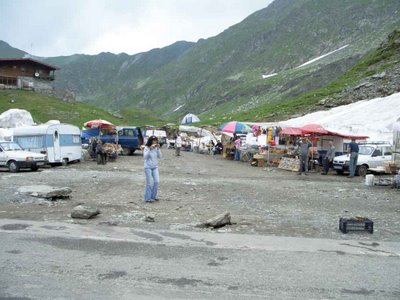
(390, 167)
(291, 164)
(278, 151)
(111, 150)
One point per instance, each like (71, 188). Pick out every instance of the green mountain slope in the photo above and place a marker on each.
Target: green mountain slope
(376, 74)
(106, 78)
(44, 108)
(6, 51)
(225, 71)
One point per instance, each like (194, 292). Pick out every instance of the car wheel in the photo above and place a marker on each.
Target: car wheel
(13, 166)
(34, 168)
(126, 151)
(339, 172)
(362, 170)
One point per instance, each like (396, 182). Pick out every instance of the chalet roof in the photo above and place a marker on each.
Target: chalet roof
(47, 66)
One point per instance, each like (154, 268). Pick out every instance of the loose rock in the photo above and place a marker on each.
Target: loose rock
(149, 218)
(84, 212)
(218, 221)
(45, 191)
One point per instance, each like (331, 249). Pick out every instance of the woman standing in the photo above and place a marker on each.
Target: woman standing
(151, 154)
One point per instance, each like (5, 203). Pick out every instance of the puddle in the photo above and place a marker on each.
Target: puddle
(15, 226)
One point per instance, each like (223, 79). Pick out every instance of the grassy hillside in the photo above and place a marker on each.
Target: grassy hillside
(44, 108)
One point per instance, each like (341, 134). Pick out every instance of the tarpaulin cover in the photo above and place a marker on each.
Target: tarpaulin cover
(89, 133)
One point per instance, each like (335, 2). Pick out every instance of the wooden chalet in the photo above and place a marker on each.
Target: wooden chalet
(16, 71)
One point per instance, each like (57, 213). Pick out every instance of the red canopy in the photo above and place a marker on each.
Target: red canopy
(314, 129)
(98, 123)
(292, 131)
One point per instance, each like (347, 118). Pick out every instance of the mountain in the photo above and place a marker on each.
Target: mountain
(224, 74)
(376, 74)
(106, 79)
(6, 51)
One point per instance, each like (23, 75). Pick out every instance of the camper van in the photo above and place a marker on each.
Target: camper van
(60, 142)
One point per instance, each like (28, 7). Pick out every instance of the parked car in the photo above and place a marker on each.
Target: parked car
(371, 155)
(14, 157)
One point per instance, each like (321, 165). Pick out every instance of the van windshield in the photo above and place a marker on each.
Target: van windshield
(366, 150)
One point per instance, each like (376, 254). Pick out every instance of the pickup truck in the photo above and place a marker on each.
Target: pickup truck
(371, 155)
(129, 137)
(14, 157)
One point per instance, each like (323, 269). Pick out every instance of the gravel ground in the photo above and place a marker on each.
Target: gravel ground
(195, 188)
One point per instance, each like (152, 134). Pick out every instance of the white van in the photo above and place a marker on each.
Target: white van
(60, 142)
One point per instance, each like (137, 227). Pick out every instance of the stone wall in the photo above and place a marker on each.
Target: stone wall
(33, 83)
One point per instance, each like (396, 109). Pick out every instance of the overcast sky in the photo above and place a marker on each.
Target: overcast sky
(65, 27)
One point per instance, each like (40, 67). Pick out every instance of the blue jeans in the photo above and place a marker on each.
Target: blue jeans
(327, 164)
(303, 164)
(353, 163)
(151, 191)
(237, 154)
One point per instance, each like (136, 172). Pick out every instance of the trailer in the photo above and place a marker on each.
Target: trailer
(60, 142)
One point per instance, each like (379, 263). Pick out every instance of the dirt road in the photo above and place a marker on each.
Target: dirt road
(195, 187)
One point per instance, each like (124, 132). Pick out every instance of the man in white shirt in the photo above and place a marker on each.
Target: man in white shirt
(178, 145)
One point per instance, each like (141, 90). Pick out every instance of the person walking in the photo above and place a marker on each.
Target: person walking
(178, 144)
(353, 152)
(151, 155)
(328, 159)
(304, 147)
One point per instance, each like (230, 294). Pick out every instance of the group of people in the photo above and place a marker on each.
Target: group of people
(272, 133)
(304, 146)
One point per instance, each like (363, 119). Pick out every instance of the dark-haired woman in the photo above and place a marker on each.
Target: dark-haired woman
(151, 155)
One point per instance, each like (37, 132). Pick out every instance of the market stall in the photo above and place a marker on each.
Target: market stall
(319, 138)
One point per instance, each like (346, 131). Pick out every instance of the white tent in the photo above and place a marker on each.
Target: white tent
(190, 118)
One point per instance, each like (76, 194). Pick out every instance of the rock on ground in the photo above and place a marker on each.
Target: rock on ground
(45, 191)
(84, 212)
(218, 221)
